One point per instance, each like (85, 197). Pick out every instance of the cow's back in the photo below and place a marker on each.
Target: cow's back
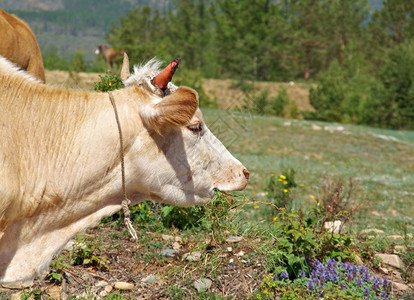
(19, 45)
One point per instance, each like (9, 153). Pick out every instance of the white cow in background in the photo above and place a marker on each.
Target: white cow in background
(60, 159)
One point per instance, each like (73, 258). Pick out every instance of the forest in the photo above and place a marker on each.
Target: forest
(357, 60)
(361, 62)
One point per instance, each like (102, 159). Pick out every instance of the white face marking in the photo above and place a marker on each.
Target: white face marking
(191, 164)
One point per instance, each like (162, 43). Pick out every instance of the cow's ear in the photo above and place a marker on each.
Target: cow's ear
(175, 110)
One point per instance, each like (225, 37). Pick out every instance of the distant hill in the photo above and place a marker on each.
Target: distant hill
(68, 25)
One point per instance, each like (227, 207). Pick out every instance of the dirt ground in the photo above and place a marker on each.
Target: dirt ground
(152, 275)
(139, 270)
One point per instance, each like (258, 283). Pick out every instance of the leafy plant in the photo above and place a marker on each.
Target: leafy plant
(279, 188)
(218, 216)
(182, 217)
(108, 82)
(301, 235)
(86, 253)
(141, 213)
(57, 270)
(35, 294)
(302, 238)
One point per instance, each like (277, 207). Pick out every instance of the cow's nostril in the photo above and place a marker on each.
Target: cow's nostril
(246, 173)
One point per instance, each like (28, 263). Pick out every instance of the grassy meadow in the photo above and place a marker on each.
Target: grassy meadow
(379, 162)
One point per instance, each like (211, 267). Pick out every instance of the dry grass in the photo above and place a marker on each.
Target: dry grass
(227, 96)
(65, 79)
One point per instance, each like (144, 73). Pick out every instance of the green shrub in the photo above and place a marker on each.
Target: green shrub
(329, 94)
(182, 217)
(301, 235)
(86, 252)
(392, 101)
(243, 85)
(343, 94)
(57, 270)
(256, 103)
(108, 82)
(278, 103)
(53, 61)
(218, 217)
(78, 63)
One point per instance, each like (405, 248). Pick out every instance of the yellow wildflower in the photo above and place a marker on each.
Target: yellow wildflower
(283, 177)
(285, 182)
(285, 190)
(256, 206)
(274, 218)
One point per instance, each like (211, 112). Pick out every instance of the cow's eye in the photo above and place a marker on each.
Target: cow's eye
(196, 127)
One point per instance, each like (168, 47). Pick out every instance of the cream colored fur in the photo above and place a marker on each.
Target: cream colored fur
(60, 162)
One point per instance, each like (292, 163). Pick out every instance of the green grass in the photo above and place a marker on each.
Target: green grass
(381, 162)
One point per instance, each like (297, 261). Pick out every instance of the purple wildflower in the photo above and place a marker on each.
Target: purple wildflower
(383, 295)
(386, 283)
(376, 283)
(284, 275)
(365, 273)
(310, 285)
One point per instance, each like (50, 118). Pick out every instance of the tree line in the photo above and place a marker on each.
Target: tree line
(361, 60)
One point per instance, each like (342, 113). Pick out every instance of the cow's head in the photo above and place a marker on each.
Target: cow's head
(190, 163)
(101, 48)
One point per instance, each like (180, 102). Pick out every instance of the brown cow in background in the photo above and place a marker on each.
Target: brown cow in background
(109, 54)
(19, 45)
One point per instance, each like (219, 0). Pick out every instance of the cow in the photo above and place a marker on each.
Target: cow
(109, 54)
(19, 45)
(60, 159)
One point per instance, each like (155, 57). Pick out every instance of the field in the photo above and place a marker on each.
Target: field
(373, 167)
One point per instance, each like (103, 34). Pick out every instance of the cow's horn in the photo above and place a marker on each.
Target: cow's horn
(164, 77)
(125, 68)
